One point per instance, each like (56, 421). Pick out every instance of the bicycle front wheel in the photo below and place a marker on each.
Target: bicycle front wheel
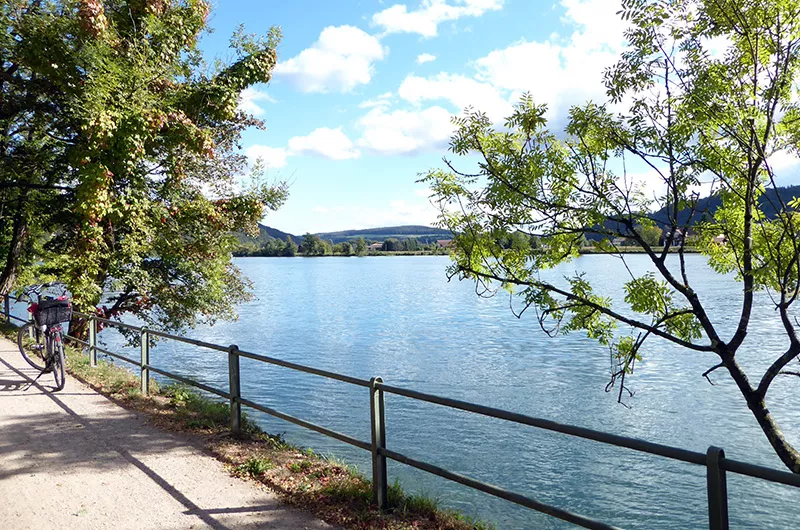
(30, 341)
(58, 361)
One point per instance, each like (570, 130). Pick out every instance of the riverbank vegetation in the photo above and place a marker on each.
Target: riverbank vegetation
(327, 487)
(313, 245)
(704, 97)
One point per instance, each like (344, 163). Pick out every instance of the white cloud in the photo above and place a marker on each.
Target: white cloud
(561, 72)
(248, 99)
(273, 157)
(328, 143)
(332, 144)
(405, 132)
(383, 100)
(341, 59)
(785, 165)
(782, 160)
(425, 58)
(425, 19)
(461, 91)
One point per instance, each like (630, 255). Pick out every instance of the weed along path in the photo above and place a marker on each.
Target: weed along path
(74, 459)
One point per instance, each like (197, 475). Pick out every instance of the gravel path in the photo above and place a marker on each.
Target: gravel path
(73, 459)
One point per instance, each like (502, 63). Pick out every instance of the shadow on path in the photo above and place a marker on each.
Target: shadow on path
(38, 438)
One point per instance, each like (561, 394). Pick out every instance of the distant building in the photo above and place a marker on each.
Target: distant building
(720, 239)
(677, 239)
(375, 246)
(445, 243)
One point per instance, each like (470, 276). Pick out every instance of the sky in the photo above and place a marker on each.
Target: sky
(362, 96)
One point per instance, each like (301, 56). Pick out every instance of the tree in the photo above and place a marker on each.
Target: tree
(314, 246)
(290, 249)
(689, 116)
(120, 152)
(344, 248)
(391, 245)
(651, 234)
(360, 246)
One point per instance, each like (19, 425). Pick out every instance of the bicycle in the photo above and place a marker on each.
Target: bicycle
(41, 341)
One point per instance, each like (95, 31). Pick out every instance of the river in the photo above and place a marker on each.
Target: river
(399, 318)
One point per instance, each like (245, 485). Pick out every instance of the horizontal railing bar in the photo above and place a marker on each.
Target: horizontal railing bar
(116, 355)
(190, 382)
(308, 425)
(193, 342)
(18, 318)
(79, 341)
(118, 324)
(667, 451)
(302, 368)
(516, 498)
(107, 321)
(765, 473)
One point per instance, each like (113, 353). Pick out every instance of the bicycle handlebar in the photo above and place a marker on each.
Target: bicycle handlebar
(37, 289)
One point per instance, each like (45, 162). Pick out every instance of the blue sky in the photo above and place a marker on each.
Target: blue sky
(361, 99)
(362, 96)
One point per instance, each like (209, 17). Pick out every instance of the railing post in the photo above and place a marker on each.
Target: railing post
(235, 389)
(144, 344)
(7, 308)
(717, 485)
(378, 426)
(92, 341)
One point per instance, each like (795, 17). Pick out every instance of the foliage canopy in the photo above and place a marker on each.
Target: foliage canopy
(697, 120)
(120, 152)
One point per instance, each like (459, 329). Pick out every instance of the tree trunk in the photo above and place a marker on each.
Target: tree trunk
(785, 451)
(18, 238)
(79, 329)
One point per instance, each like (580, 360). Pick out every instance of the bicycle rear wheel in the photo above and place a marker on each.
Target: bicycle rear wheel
(57, 349)
(31, 343)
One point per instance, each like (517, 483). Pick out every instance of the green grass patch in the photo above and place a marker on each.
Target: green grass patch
(254, 466)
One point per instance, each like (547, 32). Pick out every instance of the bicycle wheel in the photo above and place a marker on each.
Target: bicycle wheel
(32, 347)
(58, 360)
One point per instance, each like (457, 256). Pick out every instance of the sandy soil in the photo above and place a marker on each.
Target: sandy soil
(73, 459)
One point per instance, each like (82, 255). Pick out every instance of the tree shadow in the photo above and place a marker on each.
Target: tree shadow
(105, 439)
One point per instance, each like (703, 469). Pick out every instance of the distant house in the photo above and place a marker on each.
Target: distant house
(445, 243)
(375, 246)
(677, 239)
(720, 239)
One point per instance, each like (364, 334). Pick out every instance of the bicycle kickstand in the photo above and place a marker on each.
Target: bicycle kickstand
(32, 382)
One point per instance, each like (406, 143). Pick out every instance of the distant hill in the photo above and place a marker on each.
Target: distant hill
(708, 205)
(274, 233)
(425, 234)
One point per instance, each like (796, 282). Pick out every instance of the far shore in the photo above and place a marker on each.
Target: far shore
(634, 250)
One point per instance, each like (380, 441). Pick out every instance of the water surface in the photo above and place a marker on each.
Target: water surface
(399, 318)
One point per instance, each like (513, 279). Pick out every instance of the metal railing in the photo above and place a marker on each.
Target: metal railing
(717, 465)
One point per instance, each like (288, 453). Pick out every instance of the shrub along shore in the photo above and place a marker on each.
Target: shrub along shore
(329, 488)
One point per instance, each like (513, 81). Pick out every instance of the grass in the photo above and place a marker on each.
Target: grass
(322, 484)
